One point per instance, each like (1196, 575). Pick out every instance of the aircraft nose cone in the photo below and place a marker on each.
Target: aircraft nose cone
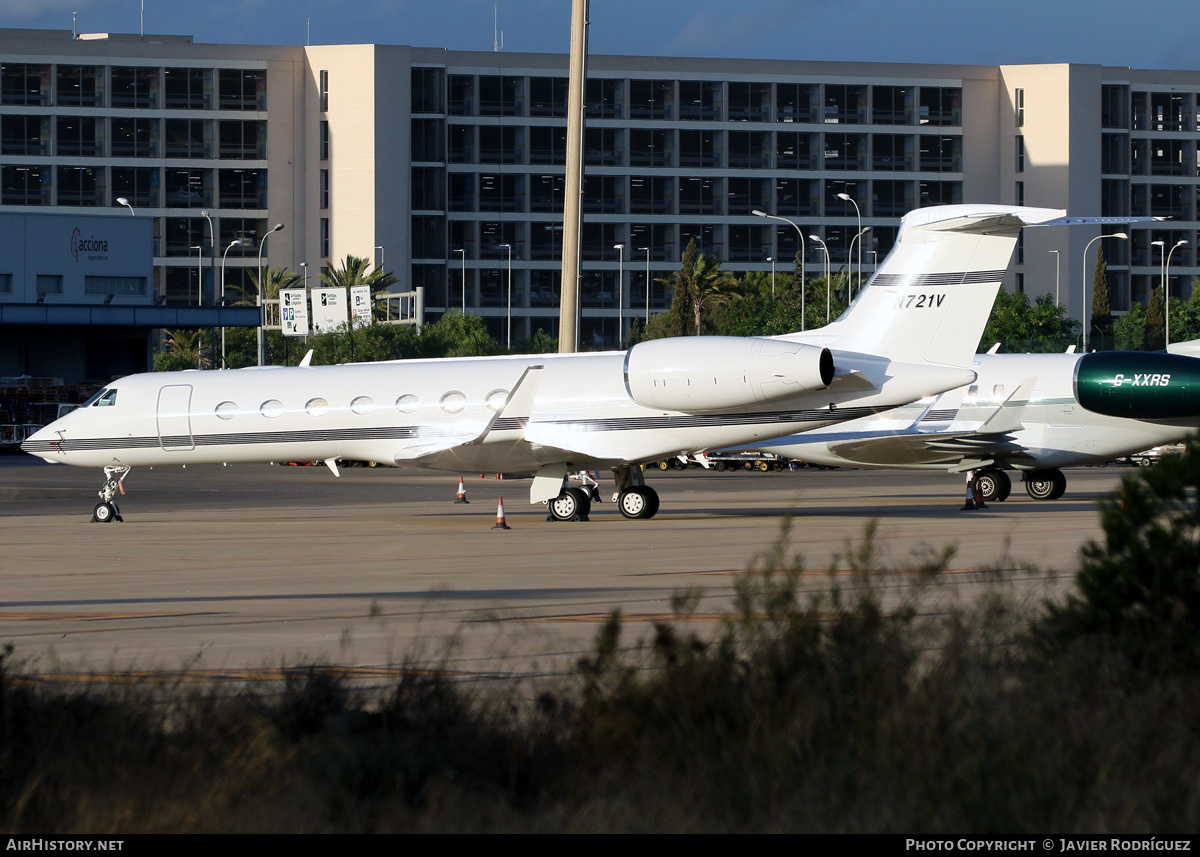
(41, 444)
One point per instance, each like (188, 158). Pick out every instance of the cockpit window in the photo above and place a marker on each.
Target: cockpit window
(106, 398)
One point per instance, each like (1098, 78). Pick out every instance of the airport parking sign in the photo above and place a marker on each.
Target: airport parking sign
(293, 311)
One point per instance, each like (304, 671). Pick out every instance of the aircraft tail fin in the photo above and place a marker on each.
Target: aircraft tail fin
(931, 298)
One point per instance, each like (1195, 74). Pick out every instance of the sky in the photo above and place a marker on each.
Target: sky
(1161, 34)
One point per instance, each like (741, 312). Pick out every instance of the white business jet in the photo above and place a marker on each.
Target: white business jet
(1032, 413)
(911, 333)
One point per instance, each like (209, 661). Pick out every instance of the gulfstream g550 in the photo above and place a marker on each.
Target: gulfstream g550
(911, 333)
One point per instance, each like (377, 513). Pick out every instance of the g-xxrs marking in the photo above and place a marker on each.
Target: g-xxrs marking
(920, 301)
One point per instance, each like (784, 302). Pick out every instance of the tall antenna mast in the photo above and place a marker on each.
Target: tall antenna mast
(497, 35)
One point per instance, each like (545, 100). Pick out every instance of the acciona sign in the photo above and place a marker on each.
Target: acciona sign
(93, 249)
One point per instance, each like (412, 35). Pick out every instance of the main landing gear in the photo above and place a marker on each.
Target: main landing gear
(633, 497)
(994, 485)
(106, 510)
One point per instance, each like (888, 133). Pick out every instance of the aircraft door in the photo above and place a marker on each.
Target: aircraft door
(174, 419)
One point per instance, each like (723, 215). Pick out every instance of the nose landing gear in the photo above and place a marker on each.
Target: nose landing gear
(106, 510)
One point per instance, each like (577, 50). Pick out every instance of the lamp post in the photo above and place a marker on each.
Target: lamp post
(1057, 259)
(858, 213)
(771, 259)
(858, 238)
(647, 249)
(620, 291)
(262, 285)
(212, 243)
(379, 247)
(509, 320)
(828, 277)
(1167, 292)
(1086, 320)
(795, 226)
(464, 279)
(123, 201)
(236, 242)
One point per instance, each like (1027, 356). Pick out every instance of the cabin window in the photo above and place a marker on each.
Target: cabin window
(454, 401)
(107, 399)
(227, 410)
(316, 407)
(408, 403)
(271, 408)
(363, 405)
(496, 399)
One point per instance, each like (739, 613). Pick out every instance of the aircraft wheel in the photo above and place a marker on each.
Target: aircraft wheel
(1045, 484)
(565, 506)
(995, 485)
(104, 513)
(651, 502)
(634, 502)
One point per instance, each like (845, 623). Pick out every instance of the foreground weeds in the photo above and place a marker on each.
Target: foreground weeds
(844, 706)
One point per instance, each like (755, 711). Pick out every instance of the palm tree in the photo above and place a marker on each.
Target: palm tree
(275, 279)
(184, 347)
(711, 286)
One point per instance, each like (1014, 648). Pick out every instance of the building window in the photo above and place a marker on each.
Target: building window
(1020, 193)
(243, 188)
(324, 140)
(1019, 99)
(242, 140)
(134, 87)
(324, 90)
(185, 138)
(187, 89)
(49, 284)
(76, 136)
(1020, 154)
(324, 237)
(22, 84)
(114, 285)
(189, 188)
(78, 86)
(324, 189)
(242, 89)
(426, 90)
(25, 185)
(135, 138)
(139, 185)
(24, 135)
(5, 284)
(79, 186)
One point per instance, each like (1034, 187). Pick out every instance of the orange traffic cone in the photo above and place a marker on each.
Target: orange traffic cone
(969, 506)
(462, 492)
(500, 525)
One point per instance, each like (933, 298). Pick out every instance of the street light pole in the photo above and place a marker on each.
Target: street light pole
(1167, 292)
(858, 238)
(1057, 259)
(620, 292)
(509, 322)
(262, 338)
(236, 242)
(212, 243)
(858, 213)
(828, 277)
(123, 201)
(1086, 320)
(794, 225)
(771, 259)
(199, 248)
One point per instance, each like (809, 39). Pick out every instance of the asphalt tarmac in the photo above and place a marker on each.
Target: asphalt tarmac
(235, 572)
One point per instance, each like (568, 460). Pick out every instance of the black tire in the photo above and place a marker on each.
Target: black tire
(634, 502)
(651, 502)
(763, 466)
(1045, 484)
(584, 497)
(1145, 462)
(104, 513)
(565, 506)
(995, 486)
(664, 465)
(720, 467)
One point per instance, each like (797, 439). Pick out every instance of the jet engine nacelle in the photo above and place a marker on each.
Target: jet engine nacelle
(716, 373)
(1139, 386)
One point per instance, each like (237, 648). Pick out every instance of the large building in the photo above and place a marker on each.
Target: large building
(440, 164)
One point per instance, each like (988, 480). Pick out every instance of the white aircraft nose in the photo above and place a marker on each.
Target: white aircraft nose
(40, 444)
